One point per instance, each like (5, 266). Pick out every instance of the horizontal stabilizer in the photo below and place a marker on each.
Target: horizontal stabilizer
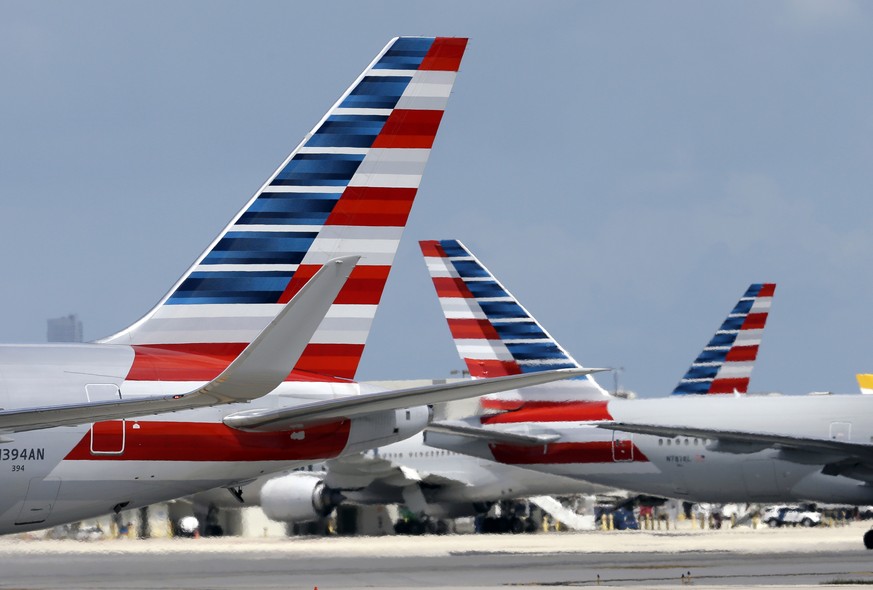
(526, 439)
(357, 405)
(258, 370)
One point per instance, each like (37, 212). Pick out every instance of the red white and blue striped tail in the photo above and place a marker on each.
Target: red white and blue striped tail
(725, 365)
(494, 334)
(346, 189)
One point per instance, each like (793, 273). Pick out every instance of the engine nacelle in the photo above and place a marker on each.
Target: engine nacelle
(298, 497)
(384, 427)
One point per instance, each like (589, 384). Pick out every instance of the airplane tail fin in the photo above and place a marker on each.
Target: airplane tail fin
(494, 334)
(865, 383)
(346, 189)
(725, 365)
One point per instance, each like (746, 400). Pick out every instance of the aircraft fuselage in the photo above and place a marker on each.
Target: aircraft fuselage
(696, 469)
(63, 474)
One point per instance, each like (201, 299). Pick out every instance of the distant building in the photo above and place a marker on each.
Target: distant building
(65, 329)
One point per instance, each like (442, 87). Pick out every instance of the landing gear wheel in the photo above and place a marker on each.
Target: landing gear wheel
(868, 539)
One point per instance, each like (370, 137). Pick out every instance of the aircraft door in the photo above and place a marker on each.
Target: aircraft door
(841, 431)
(102, 392)
(107, 437)
(39, 501)
(622, 446)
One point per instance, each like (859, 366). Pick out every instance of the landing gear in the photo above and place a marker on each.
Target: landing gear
(514, 525)
(517, 526)
(868, 539)
(436, 527)
(416, 526)
(510, 517)
(237, 493)
(409, 527)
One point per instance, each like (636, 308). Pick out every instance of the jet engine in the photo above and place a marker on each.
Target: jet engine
(298, 497)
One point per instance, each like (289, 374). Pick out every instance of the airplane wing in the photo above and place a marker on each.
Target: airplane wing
(526, 438)
(357, 405)
(259, 369)
(835, 455)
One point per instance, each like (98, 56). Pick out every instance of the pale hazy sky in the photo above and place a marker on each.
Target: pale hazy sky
(625, 168)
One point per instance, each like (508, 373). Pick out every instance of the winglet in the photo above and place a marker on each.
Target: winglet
(265, 363)
(258, 369)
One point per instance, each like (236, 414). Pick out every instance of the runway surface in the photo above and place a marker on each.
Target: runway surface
(741, 558)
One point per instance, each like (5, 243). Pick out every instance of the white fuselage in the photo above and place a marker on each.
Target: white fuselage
(697, 469)
(58, 475)
(459, 478)
(451, 484)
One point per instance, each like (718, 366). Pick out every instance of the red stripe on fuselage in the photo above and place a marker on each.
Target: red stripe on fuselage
(544, 411)
(204, 441)
(444, 54)
(562, 453)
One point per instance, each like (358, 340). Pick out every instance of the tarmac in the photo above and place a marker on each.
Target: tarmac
(772, 558)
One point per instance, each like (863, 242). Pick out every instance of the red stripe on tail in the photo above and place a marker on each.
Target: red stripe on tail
(432, 249)
(409, 129)
(336, 360)
(465, 329)
(364, 286)
(755, 321)
(451, 287)
(445, 54)
(373, 207)
(490, 368)
(205, 361)
(182, 362)
(767, 290)
(741, 354)
(739, 384)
